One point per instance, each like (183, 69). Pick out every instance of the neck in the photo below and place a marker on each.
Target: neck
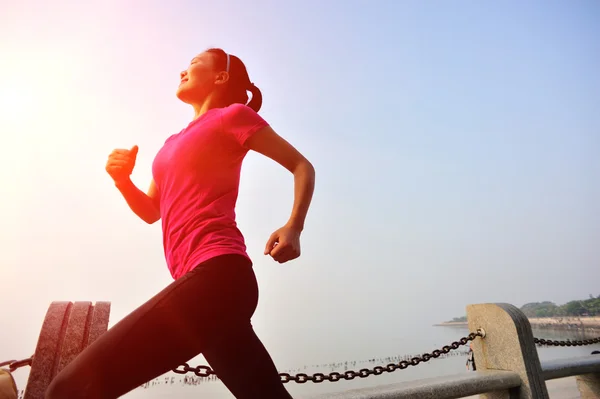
(210, 102)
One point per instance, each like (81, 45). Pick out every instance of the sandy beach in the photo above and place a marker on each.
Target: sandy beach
(576, 323)
(591, 323)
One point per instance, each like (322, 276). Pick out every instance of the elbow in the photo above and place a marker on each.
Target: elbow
(311, 172)
(310, 167)
(306, 172)
(151, 219)
(306, 168)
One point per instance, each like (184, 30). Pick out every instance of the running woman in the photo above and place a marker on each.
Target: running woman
(208, 307)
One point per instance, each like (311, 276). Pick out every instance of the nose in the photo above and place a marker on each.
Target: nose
(182, 74)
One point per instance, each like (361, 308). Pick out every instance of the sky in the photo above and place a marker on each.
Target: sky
(455, 147)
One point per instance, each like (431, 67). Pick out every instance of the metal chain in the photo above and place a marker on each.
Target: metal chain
(549, 342)
(6, 363)
(301, 378)
(16, 364)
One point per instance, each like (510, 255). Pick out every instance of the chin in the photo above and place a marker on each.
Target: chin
(189, 94)
(183, 95)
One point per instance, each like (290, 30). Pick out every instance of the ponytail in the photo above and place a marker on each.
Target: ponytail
(256, 100)
(239, 82)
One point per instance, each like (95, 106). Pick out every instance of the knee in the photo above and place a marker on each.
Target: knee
(62, 387)
(57, 389)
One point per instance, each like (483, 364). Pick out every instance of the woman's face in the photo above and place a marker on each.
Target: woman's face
(199, 79)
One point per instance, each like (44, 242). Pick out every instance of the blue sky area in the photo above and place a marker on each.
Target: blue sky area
(456, 147)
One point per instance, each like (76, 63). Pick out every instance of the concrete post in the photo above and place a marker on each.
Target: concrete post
(508, 345)
(8, 388)
(589, 385)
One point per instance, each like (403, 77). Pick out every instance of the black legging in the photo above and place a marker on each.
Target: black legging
(206, 311)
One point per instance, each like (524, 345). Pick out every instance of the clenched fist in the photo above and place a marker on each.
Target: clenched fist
(121, 162)
(284, 244)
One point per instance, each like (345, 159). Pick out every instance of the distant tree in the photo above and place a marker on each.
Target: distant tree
(576, 308)
(540, 309)
(591, 306)
(542, 313)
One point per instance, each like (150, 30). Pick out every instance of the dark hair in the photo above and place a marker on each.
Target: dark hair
(239, 82)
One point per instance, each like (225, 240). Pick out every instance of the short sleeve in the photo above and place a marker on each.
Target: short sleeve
(171, 137)
(241, 122)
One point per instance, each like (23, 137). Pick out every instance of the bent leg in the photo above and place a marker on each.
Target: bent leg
(243, 364)
(164, 332)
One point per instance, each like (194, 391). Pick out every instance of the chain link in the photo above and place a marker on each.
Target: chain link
(7, 363)
(378, 370)
(16, 364)
(302, 378)
(549, 342)
(200, 371)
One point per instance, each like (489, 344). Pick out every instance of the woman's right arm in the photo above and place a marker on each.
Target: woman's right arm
(119, 166)
(146, 206)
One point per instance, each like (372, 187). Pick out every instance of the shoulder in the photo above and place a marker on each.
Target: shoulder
(171, 138)
(238, 110)
(241, 122)
(240, 116)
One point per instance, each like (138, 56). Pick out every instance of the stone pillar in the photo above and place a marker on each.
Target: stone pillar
(508, 345)
(8, 388)
(589, 385)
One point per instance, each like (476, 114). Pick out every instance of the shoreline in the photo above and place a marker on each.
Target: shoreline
(551, 323)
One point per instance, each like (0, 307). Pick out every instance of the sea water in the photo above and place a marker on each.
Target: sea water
(370, 352)
(171, 385)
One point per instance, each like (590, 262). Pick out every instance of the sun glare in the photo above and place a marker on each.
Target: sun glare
(30, 89)
(15, 101)
(34, 94)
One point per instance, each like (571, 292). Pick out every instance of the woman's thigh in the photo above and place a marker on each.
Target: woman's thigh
(244, 365)
(169, 329)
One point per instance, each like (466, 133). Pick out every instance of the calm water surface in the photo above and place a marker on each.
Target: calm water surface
(427, 340)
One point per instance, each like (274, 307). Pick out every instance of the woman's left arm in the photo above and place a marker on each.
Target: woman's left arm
(284, 244)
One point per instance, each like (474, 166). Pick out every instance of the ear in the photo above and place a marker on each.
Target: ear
(221, 78)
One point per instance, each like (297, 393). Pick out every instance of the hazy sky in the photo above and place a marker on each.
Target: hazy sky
(456, 147)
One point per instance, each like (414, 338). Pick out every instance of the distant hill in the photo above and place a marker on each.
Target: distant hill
(575, 308)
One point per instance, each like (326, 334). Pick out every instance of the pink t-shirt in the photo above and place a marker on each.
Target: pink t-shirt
(197, 173)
